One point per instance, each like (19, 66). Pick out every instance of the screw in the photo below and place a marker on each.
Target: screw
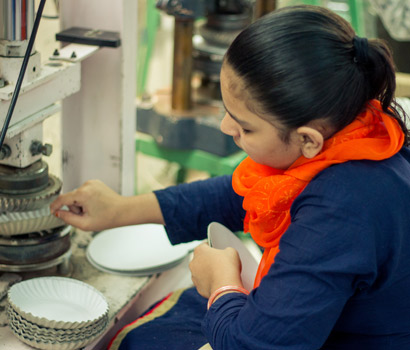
(5, 152)
(38, 148)
(47, 149)
(56, 52)
(73, 55)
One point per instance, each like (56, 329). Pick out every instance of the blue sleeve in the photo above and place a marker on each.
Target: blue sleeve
(189, 208)
(328, 253)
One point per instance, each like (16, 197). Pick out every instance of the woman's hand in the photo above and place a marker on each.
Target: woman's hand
(213, 268)
(95, 207)
(91, 207)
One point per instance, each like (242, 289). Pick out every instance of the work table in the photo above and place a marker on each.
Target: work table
(127, 297)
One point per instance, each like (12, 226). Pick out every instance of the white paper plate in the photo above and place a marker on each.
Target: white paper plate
(221, 237)
(6, 217)
(38, 342)
(136, 273)
(58, 302)
(16, 223)
(138, 249)
(30, 329)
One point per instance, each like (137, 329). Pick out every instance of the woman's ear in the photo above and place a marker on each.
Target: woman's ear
(311, 141)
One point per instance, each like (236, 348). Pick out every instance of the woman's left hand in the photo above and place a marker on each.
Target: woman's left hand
(213, 268)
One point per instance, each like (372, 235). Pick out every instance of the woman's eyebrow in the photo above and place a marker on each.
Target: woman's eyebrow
(239, 121)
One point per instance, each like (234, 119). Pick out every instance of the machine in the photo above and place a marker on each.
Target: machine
(189, 114)
(30, 238)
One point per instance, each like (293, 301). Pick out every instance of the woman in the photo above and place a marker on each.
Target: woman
(325, 191)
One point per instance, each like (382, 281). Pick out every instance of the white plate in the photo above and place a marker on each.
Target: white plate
(16, 223)
(58, 302)
(221, 237)
(136, 273)
(30, 329)
(135, 249)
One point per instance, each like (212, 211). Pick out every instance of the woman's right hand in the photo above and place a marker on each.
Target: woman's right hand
(92, 207)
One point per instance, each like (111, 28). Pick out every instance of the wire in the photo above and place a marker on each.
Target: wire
(22, 72)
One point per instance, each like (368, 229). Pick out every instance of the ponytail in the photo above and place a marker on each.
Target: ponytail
(381, 75)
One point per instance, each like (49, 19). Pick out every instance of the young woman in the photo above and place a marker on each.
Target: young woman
(325, 191)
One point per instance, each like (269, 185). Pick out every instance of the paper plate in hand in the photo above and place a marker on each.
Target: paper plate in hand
(221, 237)
(135, 250)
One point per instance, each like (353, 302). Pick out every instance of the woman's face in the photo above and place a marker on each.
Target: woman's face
(256, 136)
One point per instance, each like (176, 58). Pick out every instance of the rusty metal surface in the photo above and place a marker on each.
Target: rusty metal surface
(262, 7)
(182, 68)
(31, 251)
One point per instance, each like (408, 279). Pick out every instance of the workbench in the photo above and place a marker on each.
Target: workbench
(127, 297)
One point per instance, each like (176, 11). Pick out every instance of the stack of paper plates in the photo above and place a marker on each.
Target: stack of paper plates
(56, 313)
(138, 250)
(15, 223)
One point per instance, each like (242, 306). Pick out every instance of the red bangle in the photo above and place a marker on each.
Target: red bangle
(225, 289)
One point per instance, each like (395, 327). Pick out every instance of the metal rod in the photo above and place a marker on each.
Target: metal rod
(16, 19)
(22, 72)
(262, 7)
(182, 68)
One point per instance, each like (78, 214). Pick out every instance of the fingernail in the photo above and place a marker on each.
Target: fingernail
(56, 214)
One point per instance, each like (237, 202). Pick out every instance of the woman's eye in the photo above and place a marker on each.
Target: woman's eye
(245, 131)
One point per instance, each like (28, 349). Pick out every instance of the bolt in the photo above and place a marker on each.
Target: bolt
(35, 148)
(5, 152)
(47, 149)
(73, 55)
(56, 52)
(38, 148)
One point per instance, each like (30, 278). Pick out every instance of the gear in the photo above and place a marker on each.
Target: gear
(20, 181)
(31, 201)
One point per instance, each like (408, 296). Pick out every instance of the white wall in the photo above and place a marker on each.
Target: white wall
(99, 122)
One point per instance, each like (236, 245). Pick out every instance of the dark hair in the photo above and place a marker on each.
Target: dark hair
(302, 63)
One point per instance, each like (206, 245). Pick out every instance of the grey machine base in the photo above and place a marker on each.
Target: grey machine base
(185, 133)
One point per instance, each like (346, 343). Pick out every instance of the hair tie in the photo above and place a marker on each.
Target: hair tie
(361, 50)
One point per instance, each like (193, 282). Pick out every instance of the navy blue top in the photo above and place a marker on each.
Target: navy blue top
(342, 277)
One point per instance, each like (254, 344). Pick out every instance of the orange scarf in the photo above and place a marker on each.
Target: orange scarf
(269, 193)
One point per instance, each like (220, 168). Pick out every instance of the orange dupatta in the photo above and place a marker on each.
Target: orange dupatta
(269, 193)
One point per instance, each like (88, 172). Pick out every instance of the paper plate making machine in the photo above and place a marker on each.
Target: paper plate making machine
(30, 237)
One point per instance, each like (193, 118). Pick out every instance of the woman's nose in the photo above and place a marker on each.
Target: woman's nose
(228, 126)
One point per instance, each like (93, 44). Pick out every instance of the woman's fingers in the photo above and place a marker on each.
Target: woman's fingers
(212, 268)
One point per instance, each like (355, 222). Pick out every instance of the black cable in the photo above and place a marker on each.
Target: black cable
(22, 72)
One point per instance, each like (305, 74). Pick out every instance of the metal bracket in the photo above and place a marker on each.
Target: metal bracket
(74, 52)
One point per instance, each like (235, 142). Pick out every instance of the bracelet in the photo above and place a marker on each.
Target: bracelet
(225, 289)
